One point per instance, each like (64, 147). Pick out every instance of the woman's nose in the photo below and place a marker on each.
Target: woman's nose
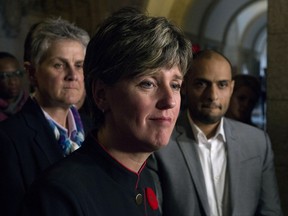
(71, 74)
(167, 99)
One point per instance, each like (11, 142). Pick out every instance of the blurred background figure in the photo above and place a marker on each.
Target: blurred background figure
(12, 91)
(246, 94)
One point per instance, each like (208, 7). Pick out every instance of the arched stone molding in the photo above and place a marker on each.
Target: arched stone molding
(241, 31)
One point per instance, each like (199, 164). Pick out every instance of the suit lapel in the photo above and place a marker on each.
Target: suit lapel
(233, 167)
(43, 135)
(187, 145)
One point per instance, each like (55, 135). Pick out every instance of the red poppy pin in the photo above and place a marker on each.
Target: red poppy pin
(152, 199)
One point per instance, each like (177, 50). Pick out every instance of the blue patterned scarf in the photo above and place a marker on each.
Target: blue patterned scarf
(69, 144)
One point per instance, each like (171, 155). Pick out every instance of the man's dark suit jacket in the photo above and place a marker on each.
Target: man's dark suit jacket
(27, 147)
(251, 175)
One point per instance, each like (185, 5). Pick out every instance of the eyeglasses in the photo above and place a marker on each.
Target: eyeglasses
(4, 76)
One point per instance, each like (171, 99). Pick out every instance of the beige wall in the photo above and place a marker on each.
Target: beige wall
(277, 91)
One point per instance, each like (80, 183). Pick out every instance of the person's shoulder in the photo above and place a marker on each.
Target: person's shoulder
(21, 129)
(83, 163)
(173, 147)
(76, 169)
(12, 124)
(16, 123)
(247, 135)
(29, 114)
(240, 126)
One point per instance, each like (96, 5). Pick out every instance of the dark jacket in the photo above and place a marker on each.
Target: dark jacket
(91, 182)
(27, 147)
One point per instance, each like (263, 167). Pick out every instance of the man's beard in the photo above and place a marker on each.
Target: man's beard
(208, 119)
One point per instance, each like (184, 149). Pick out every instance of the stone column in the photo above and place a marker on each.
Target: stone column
(277, 91)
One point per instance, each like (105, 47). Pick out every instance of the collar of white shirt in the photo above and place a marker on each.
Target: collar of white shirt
(200, 136)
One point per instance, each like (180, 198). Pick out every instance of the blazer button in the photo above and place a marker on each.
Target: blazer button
(139, 199)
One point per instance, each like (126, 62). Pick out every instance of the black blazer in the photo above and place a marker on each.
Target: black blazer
(27, 147)
(90, 182)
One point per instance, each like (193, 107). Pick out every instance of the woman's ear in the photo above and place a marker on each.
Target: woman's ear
(30, 70)
(99, 95)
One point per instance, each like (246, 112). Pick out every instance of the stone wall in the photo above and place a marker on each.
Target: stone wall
(16, 17)
(277, 91)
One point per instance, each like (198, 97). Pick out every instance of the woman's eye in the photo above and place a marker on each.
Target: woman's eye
(176, 86)
(147, 84)
(58, 65)
(79, 66)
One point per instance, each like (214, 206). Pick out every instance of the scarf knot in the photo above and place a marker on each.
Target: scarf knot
(69, 144)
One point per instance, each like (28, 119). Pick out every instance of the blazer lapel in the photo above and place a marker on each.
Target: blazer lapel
(233, 156)
(43, 135)
(187, 144)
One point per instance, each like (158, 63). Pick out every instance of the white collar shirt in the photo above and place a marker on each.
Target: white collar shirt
(71, 127)
(212, 154)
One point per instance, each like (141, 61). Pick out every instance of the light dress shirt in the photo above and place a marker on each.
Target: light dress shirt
(212, 154)
(71, 126)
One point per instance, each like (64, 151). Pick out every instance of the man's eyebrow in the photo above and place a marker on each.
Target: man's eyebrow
(225, 80)
(202, 80)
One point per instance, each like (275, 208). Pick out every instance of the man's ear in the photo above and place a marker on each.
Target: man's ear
(30, 70)
(232, 87)
(99, 95)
